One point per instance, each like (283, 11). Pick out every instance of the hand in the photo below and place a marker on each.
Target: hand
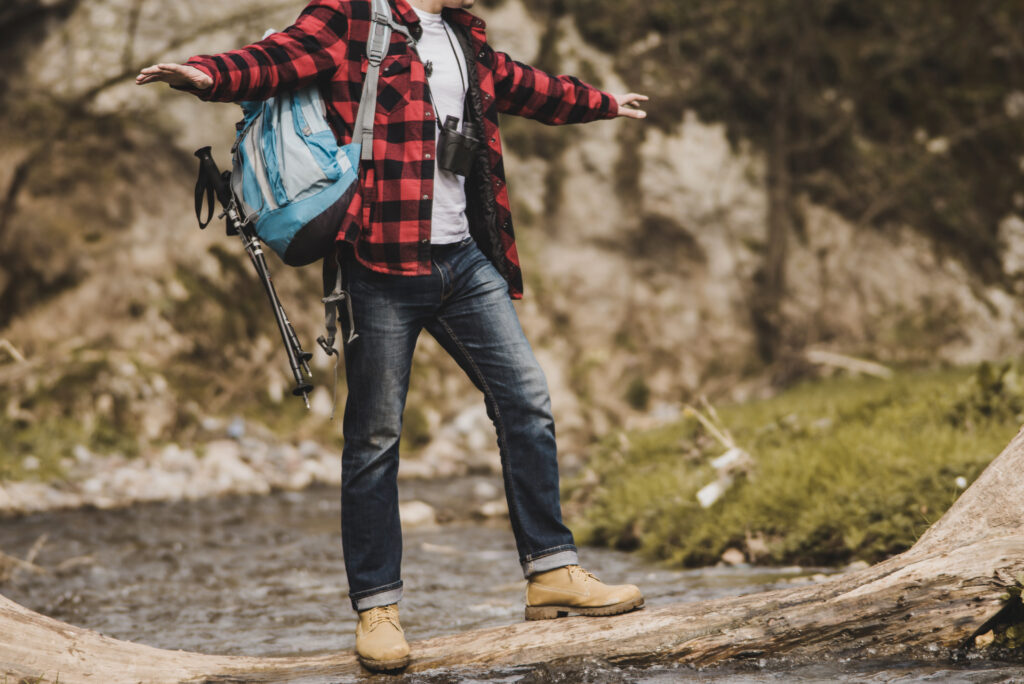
(628, 106)
(175, 75)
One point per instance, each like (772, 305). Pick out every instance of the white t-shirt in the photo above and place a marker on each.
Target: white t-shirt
(439, 47)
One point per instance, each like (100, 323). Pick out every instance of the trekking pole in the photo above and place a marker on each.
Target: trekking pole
(212, 183)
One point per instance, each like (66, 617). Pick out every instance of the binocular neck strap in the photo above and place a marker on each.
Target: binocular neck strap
(462, 77)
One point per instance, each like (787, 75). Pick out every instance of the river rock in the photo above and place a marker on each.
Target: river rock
(322, 403)
(309, 449)
(236, 428)
(415, 469)
(252, 464)
(311, 471)
(211, 424)
(417, 514)
(224, 471)
(81, 453)
(441, 457)
(484, 491)
(173, 458)
(165, 486)
(733, 557)
(494, 509)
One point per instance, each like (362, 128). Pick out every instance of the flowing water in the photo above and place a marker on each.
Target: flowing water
(265, 576)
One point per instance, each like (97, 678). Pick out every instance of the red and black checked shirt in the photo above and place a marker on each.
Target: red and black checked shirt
(391, 231)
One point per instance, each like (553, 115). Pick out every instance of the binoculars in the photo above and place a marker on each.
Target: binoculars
(457, 150)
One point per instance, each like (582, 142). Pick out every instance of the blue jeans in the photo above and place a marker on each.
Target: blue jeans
(464, 304)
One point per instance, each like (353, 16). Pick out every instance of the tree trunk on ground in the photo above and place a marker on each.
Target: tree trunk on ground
(932, 598)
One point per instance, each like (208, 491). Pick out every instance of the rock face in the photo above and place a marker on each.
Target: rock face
(639, 246)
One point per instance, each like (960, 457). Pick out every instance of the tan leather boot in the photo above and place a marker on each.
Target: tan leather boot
(380, 640)
(572, 589)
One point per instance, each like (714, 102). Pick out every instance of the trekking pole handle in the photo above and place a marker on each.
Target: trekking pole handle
(208, 168)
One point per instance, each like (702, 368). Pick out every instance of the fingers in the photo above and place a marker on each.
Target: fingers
(154, 73)
(634, 97)
(146, 75)
(633, 113)
(175, 75)
(143, 79)
(629, 105)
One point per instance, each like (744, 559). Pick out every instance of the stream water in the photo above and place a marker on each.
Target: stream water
(265, 576)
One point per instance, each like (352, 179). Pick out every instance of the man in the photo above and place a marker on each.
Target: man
(429, 248)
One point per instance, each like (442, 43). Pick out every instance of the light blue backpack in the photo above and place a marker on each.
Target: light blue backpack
(291, 180)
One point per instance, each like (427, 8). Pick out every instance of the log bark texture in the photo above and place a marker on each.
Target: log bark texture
(935, 596)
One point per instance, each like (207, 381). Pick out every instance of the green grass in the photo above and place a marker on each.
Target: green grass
(58, 414)
(845, 469)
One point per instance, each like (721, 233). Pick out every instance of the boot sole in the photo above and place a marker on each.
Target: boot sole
(383, 665)
(552, 612)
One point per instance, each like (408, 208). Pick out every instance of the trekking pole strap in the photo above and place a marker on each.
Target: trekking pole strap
(332, 307)
(204, 189)
(209, 186)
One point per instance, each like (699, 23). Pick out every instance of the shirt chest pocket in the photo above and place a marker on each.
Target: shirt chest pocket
(394, 83)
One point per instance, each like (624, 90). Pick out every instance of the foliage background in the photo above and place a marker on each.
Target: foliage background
(841, 175)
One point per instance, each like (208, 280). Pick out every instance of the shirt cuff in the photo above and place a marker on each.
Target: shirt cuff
(613, 111)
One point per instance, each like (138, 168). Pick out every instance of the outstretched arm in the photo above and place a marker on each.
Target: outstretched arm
(527, 91)
(315, 44)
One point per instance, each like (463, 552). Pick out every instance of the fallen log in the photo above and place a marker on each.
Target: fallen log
(934, 597)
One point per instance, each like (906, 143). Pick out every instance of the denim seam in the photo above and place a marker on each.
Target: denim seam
(551, 561)
(440, 274)
(503, 444)
(550, 552)
(376, 590)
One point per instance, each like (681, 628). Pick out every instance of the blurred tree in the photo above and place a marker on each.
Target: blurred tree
(23, 22)
(892, 113)
(72, 171)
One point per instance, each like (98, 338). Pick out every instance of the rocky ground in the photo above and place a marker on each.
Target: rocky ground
(237, 457)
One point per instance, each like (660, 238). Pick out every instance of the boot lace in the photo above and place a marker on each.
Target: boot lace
(577, 571)
(384, 614)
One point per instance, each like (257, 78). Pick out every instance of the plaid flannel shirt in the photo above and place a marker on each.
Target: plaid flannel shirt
(389, 220)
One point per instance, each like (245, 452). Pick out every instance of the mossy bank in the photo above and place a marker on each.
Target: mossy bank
(840, 470)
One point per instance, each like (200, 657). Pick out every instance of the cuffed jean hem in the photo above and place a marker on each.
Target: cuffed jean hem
(558, 557)
(383, 596)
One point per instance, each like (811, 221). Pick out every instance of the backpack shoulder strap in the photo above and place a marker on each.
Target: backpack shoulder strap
(334, 291)
(383, 23)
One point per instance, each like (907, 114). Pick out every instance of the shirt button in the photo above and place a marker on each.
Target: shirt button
(428, 155)
(425, 241)
(426, 197)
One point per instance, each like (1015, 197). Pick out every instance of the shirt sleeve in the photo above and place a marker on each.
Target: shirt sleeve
(524, 90)
(314, 45)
